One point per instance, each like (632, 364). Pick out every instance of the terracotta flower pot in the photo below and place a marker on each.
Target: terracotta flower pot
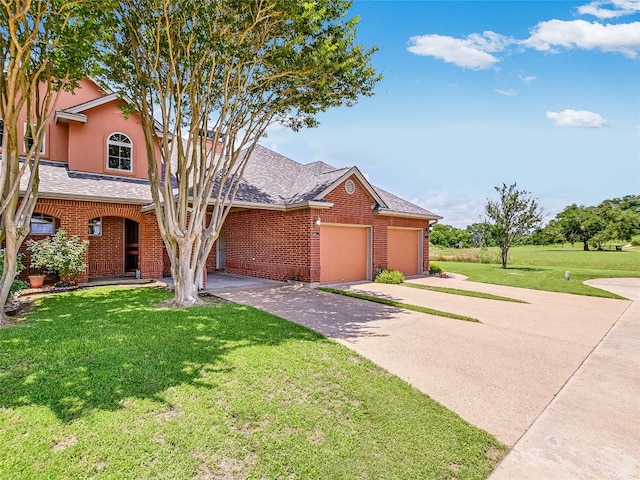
(36, 281)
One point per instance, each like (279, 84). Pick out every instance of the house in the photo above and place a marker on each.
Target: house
(312, 223)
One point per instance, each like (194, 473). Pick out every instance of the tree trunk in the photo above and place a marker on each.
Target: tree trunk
(585, 246)
(505, 257)
(12, 242)
(185, 280)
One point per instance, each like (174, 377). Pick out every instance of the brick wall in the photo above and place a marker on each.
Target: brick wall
(73, 216)
(269, 244)
(286, 245)
(357, 209)
(106, 252)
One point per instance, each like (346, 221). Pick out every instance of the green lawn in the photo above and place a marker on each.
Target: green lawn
(101, 383)
(544, 268)
(462, 292)
(394, 303)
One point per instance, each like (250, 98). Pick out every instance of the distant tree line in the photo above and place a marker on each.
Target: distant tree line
(615, 220)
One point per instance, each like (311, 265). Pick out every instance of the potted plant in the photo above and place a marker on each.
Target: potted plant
(60, 255)
(36, 280)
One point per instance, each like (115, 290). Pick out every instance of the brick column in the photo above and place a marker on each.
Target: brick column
(151, 252)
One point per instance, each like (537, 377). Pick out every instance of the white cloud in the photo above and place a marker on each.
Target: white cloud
(527, 79)
(623, 38)
(577, 118)
(506, 93)
(473, 52)
(610, 9)
(459, 208)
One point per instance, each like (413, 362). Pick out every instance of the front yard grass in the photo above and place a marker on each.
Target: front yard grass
(548, 278)
(544, 267)
(103, 383)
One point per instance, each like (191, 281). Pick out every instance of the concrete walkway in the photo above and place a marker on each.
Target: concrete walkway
(226, 282)
(591, 430)
(501, 374)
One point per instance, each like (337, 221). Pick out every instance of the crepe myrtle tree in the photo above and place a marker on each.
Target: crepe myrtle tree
(207, 78)
(512, 215)
(46, 46)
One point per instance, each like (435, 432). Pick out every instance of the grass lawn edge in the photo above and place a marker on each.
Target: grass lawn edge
(405, 306)
(462, 292)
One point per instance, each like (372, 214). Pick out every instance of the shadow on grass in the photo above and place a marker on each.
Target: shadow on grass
(93, 349)
(526, 269)
(332, 315)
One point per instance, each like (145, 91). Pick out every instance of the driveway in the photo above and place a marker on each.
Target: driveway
(499, 374)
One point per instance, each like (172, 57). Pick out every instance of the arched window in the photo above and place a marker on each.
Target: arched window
(42, 224)
(119, 152)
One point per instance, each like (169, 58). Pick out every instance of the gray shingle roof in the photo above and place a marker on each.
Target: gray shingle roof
(270, 179)
(400, 205)
(56, 180)
(288, 182)
(282, 180)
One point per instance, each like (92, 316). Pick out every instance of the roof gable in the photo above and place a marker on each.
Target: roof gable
(353, 171)
(78, 113)
(271, 179)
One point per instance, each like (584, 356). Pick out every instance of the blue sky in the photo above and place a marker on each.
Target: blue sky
(476, 94)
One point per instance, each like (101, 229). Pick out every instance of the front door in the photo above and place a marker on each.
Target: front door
(220, 251)
(131, 249)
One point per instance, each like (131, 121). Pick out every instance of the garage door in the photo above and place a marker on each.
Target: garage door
(403, 250)
(343, 253)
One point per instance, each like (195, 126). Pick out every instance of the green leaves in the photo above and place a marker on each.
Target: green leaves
(59, 254)
(514, 214)
(229, 68)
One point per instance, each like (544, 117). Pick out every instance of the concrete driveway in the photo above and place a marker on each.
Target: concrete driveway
(499, 375)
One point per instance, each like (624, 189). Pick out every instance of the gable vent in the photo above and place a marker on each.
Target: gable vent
(349, 187)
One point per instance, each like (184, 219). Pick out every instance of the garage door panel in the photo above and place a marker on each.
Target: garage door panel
(403, 250)
(343, 253)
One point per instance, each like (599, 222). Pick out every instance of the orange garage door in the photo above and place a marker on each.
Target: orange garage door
(343, 253)
(403, 250)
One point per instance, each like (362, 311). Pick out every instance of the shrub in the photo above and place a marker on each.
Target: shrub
(16, 284)
(59, 254)
(434, 269)
(389, 276)
(19, 266)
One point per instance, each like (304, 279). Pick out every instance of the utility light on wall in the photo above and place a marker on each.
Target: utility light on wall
(318, 222)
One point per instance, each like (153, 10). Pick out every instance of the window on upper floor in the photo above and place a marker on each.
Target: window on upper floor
(29, 138)
(119, 152)
(95, 227)
(42, 224)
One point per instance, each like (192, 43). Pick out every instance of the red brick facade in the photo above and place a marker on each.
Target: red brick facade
(269, 244)
(276, 245)
(286, 245)
(105, 255)
(272, 242)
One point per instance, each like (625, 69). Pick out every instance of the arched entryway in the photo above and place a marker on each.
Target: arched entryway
(113, 247)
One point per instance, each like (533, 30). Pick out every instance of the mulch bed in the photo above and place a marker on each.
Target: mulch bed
(19, 302)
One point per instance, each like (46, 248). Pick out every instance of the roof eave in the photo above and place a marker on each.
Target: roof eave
(65, 117)
(89, 198)
(266, 206)
(96, 102)
(419, 216)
